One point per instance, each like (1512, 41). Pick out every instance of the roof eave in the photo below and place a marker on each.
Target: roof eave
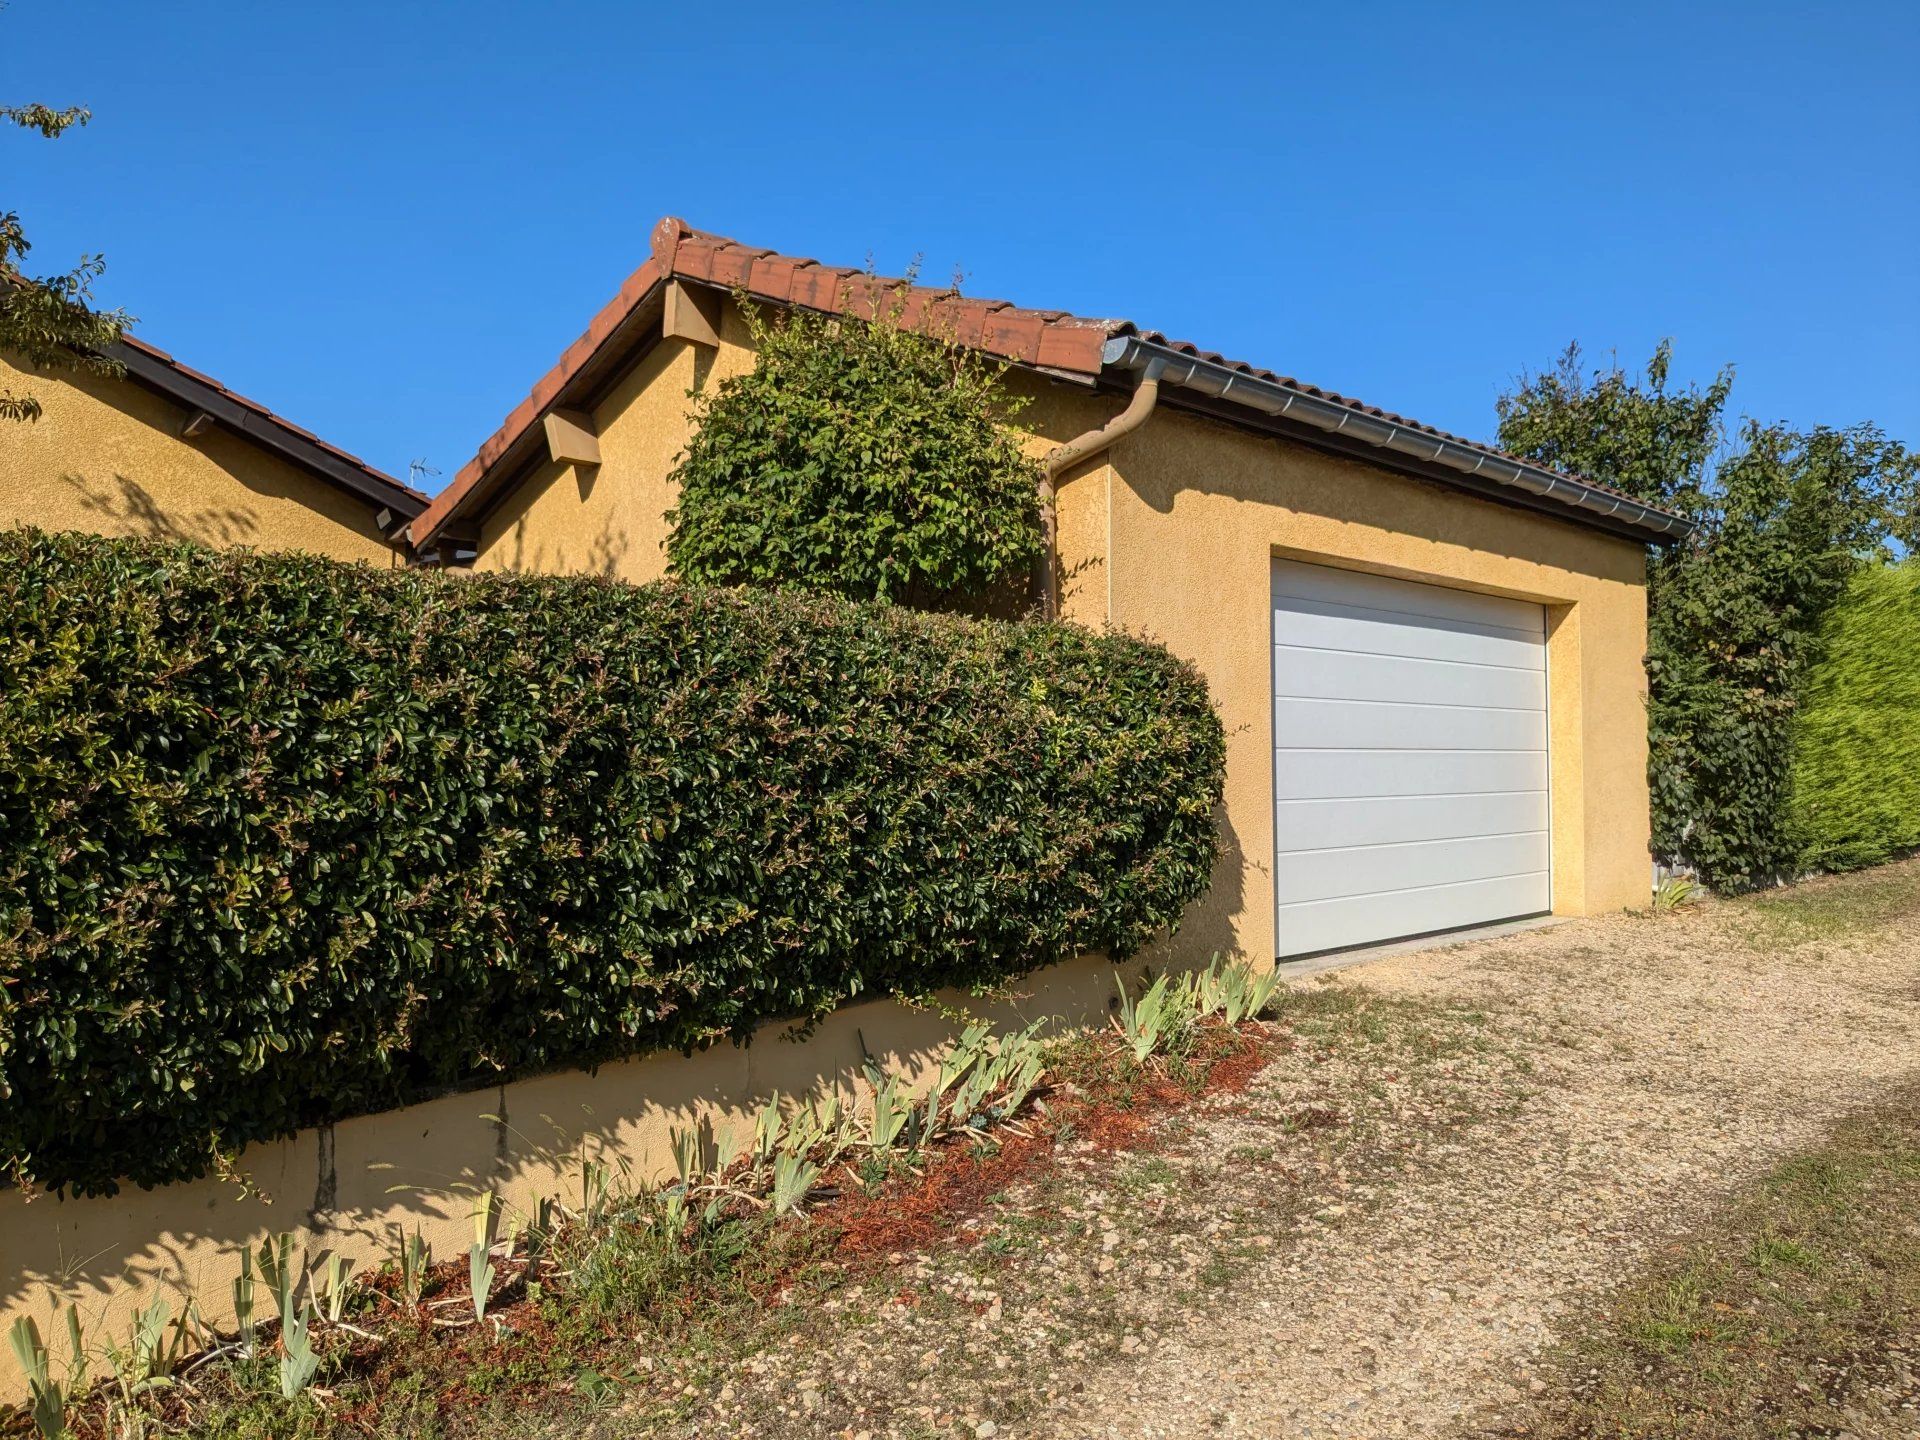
(156, 372)
(519, 444)
(1438, 457)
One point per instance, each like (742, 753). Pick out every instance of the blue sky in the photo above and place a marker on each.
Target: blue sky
(385, 221)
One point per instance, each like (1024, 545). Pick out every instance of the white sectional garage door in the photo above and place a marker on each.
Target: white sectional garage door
(1410, 758)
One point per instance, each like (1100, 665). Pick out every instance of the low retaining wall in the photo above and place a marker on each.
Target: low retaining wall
(349, 1189)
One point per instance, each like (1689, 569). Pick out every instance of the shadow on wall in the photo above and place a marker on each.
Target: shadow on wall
(1067, 582)
(351, 1188)
(606, 554)
(128, 508)
(1267, 471)
(1211, 925)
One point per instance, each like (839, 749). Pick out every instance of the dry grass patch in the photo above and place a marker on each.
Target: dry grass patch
(1828, 909)
(1796, 1314)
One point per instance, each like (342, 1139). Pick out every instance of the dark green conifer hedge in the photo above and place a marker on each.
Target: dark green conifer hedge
(283, 840)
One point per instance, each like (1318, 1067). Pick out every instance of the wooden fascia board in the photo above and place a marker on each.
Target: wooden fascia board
(203, 399)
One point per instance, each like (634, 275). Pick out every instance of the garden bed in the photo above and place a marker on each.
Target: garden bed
(569, 1291)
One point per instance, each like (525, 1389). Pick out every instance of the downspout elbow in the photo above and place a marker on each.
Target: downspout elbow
(1064, 457)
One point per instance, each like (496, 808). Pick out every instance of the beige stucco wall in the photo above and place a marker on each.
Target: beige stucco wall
(1173, 536)
(1170, 535)
(348, 1189)
(107, 456)
(610, 519)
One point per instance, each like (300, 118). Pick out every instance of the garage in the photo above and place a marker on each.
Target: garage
(1410, 766)
(1393, 732)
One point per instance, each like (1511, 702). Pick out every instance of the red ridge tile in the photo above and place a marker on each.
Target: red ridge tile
(1055, 339)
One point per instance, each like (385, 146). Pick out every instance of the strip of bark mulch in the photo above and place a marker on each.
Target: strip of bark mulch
(924, 1213)
(433, 1348)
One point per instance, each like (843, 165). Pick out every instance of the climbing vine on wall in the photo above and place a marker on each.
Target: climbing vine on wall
(868, 458)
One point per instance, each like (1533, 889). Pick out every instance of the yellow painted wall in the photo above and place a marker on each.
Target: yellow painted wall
(1176, 534)
(1171, 535)
(610, 519)
(348, 1189)
(107, 456)
(334, 1188)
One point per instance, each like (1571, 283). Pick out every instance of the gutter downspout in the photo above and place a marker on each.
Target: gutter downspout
(1062, 458)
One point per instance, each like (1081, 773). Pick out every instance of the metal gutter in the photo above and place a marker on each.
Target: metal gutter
(265, 431)
(1062, 458)
(1475, 466)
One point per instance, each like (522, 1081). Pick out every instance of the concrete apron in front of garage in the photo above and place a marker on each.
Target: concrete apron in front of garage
(1360, 954)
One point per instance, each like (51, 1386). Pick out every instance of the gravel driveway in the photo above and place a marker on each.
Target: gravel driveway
(1672, 1058)
(1460, 1150)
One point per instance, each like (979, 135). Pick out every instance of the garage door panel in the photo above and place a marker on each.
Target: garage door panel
(1348, 774)
(1383, 820)
(1297, 580)
(1410, 758)
(1366, 632)
(1336, 874)
(1358, 920)
(1316, 724)
(1330, 675)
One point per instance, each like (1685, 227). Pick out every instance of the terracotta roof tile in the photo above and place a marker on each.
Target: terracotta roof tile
(970, 324)
(731, 266)
(1071, 347)
(817, 286)
(696, 263)
(1052, 339)
(775, 277)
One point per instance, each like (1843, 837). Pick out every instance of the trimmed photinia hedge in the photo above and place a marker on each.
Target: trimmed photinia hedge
(283, 840)
(1856, 763)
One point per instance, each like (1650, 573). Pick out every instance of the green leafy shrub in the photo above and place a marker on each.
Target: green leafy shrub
(283, 840)
(1734, 612)
(1856, 774)
(872, 460)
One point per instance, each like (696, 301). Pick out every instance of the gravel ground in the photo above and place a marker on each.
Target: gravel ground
(1674, 1058)
(1462, 1150)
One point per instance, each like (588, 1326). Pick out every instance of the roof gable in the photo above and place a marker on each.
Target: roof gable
(1052, 342)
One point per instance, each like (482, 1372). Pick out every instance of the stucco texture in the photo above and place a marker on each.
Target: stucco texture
(1173, 536)
(351, 1189)
(106, 456)
(610, 519)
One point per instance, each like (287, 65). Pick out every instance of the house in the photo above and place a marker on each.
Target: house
(1427, 653)
(164, 452)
